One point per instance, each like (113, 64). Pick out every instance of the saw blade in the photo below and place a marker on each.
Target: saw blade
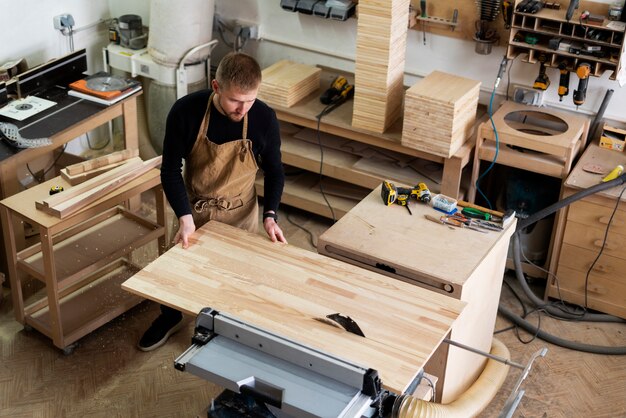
(111, 83)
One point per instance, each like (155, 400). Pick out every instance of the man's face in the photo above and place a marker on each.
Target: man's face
(234, 102)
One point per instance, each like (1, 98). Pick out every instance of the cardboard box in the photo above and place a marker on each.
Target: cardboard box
(613, 138)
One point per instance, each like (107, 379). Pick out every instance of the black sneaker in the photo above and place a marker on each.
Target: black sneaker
(160, 330)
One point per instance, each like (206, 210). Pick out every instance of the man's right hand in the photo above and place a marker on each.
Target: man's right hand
(186, 227)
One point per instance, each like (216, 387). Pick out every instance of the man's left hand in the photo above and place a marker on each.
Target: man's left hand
(273, 230)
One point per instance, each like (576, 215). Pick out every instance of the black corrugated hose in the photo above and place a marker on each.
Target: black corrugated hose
(540, 303)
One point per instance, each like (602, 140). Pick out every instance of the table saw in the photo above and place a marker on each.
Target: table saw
(265, 332)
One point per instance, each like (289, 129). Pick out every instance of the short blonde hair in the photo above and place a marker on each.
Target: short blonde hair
(238, 70)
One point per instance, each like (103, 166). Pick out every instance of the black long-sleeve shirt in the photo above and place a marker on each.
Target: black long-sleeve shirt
(181, 130)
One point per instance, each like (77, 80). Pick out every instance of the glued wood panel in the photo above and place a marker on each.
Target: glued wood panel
(282, 288)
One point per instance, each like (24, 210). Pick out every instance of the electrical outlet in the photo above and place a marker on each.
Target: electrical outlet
(527, 95)
(252, 29)
(63, 21)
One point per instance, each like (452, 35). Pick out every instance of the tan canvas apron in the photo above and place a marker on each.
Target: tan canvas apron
(220, 179)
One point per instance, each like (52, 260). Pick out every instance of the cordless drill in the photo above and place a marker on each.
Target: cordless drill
(542, 81)
(563, 80)
(582, 71)
(402, 195)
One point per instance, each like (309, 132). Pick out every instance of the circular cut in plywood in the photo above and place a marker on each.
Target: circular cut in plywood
(536, 122)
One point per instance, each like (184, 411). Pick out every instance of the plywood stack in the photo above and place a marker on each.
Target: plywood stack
(285, 83)
(380, 57)
(439, 113)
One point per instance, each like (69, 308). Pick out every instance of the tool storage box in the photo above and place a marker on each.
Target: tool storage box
(439, 113)
(285, 83)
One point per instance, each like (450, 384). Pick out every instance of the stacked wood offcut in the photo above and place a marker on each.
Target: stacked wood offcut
(77, 197)
(439, 113)
(379, 69)
(285, 83)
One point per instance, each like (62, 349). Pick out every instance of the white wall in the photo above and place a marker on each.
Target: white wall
(284, 34)
(27, 30)
(295, 36)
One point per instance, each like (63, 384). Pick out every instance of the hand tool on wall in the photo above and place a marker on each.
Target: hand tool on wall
(542, 81)
(486, 35)
(507, 13)
(563, 80)
(573, 5)
(582, 71)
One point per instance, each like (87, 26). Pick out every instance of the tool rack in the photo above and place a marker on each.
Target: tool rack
(545, 26)
(81, 260)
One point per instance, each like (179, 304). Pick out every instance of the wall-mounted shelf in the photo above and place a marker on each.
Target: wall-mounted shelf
(548, 33)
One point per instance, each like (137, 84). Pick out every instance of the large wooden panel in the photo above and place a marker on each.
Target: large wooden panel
(282, 288)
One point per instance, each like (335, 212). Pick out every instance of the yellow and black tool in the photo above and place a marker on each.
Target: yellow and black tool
(582, 71)
(339, 89)
(563, 80)
(338, 92)
(542, 82)
(402, 195)
(55, 189)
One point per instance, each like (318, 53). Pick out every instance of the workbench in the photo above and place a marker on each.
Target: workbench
(77, 118)
(81, 259)
(464, 264)
(283, 289)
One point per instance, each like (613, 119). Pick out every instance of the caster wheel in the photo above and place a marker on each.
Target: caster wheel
(28, 328)
(69, 349)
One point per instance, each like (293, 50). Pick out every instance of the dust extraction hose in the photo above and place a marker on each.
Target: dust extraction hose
(470, 403)
(552, 310)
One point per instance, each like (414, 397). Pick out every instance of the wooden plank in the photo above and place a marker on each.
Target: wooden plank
(76, 203)
(83, 177)
(282, 289)
(59, 198)
(102, 161)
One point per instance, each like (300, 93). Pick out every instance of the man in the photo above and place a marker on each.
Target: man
(224, 135)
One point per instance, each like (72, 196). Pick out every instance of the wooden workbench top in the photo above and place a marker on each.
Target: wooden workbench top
(604, 158)
(282, 288)
(391, 236)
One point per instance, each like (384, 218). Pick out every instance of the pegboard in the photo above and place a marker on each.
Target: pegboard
(467, 16)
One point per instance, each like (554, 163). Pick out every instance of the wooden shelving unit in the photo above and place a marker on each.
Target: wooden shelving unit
(81, 259)
(340, 165)
(548, 25)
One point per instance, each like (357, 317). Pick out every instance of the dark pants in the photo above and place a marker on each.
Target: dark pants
(171, 313)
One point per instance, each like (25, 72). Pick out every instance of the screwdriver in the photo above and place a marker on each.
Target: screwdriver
(476, 214)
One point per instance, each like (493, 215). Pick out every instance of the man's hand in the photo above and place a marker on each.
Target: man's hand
(273, 230)
(186, 227)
